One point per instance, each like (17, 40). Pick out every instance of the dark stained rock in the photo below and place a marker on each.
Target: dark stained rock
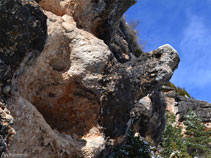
(124, 42)
(185, 104)
(125, 84)
(106, 22)
(158, 119)
(201, 108)
(23, 29)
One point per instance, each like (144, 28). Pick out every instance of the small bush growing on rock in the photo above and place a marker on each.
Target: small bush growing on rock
(139, 51)
(134, 147)
(133, 34)
(179, 90)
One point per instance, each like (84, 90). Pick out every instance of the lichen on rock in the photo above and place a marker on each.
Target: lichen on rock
(6, 130)
(23, 30)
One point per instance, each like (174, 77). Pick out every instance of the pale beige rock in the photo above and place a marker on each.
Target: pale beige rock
(34, 137)
(58, 7)
(146, 101)
(171, 106)
(165, 70)
(81, 10)
(89, 14)
(72, 62)
(95, 142)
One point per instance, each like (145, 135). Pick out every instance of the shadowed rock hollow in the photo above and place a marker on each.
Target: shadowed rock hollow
(80, 92)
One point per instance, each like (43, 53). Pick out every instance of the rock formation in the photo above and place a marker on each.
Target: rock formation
(83, 96)
(103, 18)
(74, 80)
(181, 105)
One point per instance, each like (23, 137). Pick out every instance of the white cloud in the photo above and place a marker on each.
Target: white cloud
(195, 66)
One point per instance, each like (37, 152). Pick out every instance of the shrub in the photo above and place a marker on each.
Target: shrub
(134, 147)
(179, 90)
(133, 37)
(173, 143)
(139, 51)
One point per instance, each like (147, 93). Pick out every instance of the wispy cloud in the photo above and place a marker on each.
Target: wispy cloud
(195, 67)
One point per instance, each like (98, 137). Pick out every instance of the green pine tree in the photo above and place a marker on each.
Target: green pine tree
(197, 136)
(173, 144)
(195, 142)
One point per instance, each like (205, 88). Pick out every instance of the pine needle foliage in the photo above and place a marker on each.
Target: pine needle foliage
(134, 147)
(195, 141)
(197, 135)
(173, 142)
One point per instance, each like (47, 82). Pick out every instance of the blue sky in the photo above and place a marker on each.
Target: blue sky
(186, 25)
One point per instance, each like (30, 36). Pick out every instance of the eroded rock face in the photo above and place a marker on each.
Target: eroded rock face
(70, 64)
(66, 94)
(91, 15)
(77, 95)
(157, 119)
(104, 19)
(34, 137)
(89, 103)
(22, 31)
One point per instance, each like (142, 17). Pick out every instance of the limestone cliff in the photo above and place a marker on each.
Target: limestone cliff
(74, 80)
